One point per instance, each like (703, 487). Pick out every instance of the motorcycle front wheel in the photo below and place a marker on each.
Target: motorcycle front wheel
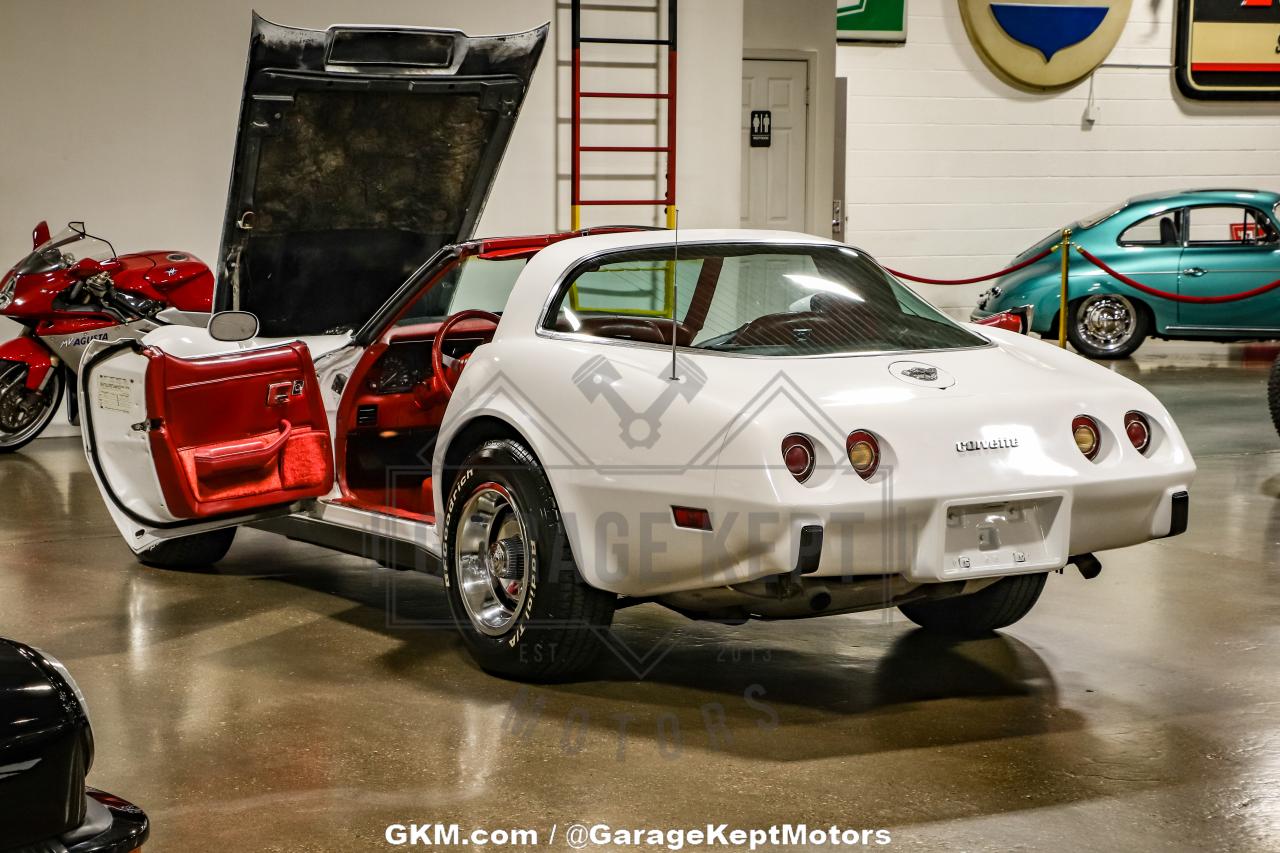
(24, 413)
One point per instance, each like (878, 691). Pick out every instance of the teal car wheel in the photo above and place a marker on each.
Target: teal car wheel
(1106, 325)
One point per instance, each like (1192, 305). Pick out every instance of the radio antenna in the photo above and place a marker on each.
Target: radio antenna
(675, 292)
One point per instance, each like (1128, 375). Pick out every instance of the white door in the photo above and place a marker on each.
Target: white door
(774, 94)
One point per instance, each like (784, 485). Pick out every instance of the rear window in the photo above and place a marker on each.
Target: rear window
(751, 299)
(1160, 229)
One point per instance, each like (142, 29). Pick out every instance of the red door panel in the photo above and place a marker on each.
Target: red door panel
(239, 432)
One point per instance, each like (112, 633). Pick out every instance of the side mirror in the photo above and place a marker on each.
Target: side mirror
(40, 234)
(233, 326)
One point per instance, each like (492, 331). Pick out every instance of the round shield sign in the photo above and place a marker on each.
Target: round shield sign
(1044, 44)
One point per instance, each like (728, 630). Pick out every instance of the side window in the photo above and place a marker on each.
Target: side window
(1158, 230)
(1229, 225)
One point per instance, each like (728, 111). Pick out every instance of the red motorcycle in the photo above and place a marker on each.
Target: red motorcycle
(64, 305)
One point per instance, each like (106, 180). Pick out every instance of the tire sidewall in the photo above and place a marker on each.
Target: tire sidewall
(1273, 393)
(512, 467)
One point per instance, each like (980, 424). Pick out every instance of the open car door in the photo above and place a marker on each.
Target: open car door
(184, 445)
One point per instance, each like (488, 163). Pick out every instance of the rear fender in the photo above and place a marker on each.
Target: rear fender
(32, 353)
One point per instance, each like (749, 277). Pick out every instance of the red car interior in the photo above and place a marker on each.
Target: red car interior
(234, 433)
(386, 432)
(388, 436)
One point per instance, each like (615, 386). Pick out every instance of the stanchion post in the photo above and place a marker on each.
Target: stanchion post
(1065, 248)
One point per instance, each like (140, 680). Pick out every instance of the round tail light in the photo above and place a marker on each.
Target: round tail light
(1138, 430)
(863, 451)
(1084, 430)
(797, 455)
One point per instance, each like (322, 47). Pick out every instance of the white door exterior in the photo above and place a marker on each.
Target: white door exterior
(774, 177)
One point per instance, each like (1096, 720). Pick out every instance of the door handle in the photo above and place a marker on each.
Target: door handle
(1194, 272)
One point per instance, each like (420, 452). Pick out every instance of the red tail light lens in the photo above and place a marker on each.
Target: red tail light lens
(691, 517)
(1084, 430)
(797, 455)
(1138, 430)
(863, 451)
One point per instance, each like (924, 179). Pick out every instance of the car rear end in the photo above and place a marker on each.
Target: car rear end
(1028, 458)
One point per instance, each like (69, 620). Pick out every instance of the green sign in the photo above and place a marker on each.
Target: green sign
(871, 20)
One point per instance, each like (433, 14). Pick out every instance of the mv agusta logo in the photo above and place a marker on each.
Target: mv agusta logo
(82, 340)
(985, 444)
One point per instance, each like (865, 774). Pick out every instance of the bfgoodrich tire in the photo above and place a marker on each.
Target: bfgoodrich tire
(199, 551)
(979, 613)
(514, 589)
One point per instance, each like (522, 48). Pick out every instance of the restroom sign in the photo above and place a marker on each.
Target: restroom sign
(761, 128)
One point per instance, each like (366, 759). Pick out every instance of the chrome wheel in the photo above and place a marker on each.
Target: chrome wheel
(24, 413)
(493, 549)
(1106, 321)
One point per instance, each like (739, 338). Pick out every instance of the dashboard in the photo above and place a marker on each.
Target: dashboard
(407, 363)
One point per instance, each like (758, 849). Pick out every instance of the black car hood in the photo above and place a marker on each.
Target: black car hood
(361, 151)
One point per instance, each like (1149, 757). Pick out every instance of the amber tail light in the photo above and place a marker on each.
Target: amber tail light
(1088, 437)
(864, 452)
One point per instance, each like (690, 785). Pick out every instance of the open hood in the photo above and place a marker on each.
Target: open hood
(361, 151)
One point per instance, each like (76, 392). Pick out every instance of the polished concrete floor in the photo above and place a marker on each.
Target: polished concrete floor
(294, 701)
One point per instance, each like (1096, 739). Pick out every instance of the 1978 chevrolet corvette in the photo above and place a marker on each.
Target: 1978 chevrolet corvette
(733, 424)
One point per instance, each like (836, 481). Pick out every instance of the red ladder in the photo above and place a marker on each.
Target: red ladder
(668, 201)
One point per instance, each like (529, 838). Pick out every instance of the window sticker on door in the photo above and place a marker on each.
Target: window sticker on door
(115, 394)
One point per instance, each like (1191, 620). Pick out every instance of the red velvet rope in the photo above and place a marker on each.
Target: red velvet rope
(1176, 297)
(1028, 262)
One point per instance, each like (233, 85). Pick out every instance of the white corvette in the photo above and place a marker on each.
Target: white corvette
(735, 425)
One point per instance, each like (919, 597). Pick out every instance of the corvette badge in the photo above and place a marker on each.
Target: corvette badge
(986, 444)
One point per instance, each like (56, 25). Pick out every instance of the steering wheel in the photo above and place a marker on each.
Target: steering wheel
(447, 380)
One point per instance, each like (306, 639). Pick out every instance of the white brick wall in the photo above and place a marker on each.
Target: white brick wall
(951, 172)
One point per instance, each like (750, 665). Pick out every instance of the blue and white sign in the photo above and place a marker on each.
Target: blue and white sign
(1044, 44)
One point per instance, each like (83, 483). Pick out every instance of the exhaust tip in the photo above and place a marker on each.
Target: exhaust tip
(1090, 566)
(820, 600)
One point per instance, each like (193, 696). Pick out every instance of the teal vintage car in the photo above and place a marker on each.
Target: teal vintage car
(1194, 242)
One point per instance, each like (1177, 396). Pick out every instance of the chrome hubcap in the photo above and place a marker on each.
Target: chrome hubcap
(492, 549)
(1106, 321)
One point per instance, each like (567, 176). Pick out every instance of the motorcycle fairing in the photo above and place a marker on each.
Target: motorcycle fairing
(361, 152)
(26, 350)
(180, 444)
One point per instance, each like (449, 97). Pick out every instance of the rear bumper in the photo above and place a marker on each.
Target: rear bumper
(923, 538)
(111, 825)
